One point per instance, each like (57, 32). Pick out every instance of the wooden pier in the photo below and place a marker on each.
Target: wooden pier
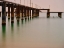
(24, 11)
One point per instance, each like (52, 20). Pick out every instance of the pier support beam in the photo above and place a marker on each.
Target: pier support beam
(18, 12)
(25, 12)
(60, 15)
(48, 10)
(37, 12)
(34, 13)
(8, 12)
(12, 13)
(48, 14)
(4, 13)
(22, 13)
(0, 14)
(30, 13)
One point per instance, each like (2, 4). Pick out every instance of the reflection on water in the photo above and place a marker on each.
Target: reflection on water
(22, 21)
(38, 32)
(18, 23)
(25, 20)
(12, 27)
(4, 32)
(3, 44)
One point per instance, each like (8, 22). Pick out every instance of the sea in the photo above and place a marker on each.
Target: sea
(37, 32)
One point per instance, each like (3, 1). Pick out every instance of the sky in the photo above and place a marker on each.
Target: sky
(54, 5)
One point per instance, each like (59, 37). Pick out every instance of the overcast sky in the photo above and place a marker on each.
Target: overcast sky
(55, 5)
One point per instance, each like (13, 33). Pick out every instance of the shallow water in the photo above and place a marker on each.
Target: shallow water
(37, 32)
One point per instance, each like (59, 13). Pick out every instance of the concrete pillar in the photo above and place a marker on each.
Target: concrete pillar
(4, 13)
(60, 14)
(48, 14)
(8, 12)
(12, 13)
(18, 12)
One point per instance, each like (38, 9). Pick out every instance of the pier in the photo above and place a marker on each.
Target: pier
(25, 11)
(48, 13)
(21, 11)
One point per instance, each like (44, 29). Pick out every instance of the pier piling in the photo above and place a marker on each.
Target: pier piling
(33, 13)
(18, 12)
(12, 13)
(21, 12)
(30, 13)
(8, 12)
(60, 15)
(4, 13)
(48, 14)
(0, 14)
(25, 12)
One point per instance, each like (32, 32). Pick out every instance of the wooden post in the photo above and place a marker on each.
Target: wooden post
(12, 13)
(25, 12)
(8, 12)
(48, 14)
(60, 14)
(22, 13)
(18, 12)
(4, 13)
(30, 13)
(0, 14)
(33, 13)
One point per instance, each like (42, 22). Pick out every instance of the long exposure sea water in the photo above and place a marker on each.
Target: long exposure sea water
(40, 32)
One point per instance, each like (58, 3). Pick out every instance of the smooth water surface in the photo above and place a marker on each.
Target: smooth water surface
(40, 32)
